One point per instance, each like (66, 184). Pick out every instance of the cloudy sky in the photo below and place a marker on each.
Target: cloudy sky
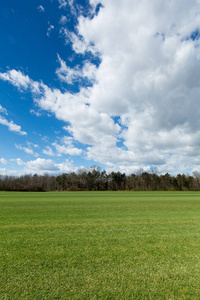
(114, 84)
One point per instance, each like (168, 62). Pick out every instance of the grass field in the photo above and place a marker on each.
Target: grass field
(100, 245)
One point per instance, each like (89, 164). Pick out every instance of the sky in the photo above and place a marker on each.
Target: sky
(110, 83)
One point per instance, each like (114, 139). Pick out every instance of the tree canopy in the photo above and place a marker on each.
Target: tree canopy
(95, 180)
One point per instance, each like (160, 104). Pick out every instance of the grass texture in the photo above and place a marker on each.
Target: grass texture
(100, 245)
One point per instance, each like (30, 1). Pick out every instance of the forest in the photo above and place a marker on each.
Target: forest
(95, 180)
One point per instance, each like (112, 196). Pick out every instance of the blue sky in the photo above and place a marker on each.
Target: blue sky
(109, 83)
(31, 40)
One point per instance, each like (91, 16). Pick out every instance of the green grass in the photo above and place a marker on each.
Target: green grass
(100, 245)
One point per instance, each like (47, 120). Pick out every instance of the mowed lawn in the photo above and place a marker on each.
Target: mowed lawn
(100, 245)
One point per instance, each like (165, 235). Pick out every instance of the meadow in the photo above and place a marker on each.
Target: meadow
(100, 245)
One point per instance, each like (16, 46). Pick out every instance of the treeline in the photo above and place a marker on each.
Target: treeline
(94, 180)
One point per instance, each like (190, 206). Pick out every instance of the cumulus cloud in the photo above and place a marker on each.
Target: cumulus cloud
(67, 147)
(148, 77)
(48, 151)
(40, 166)
(12, 126)
(87, 125)
(3, 161)
(71, 75)
(17, 78)
(79, 45)
(7, 172)
(141, 108)
(20, 162)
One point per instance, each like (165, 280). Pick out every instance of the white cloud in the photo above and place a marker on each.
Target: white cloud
(67, 147)
(71, 75)
(28, 150)
(50, 28)
(19, 161)
(48, 151)
(3, 161)
(17, 78)
(66, 167)
(128, 169)
(63, 20)
(149, 76)
(6, 172)
(12, 126)
(41, 8)
(40, 166)
(63, 3)
(145, 91)
(3, 110)
(79, 45)
(36, 113)
(70, 4)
